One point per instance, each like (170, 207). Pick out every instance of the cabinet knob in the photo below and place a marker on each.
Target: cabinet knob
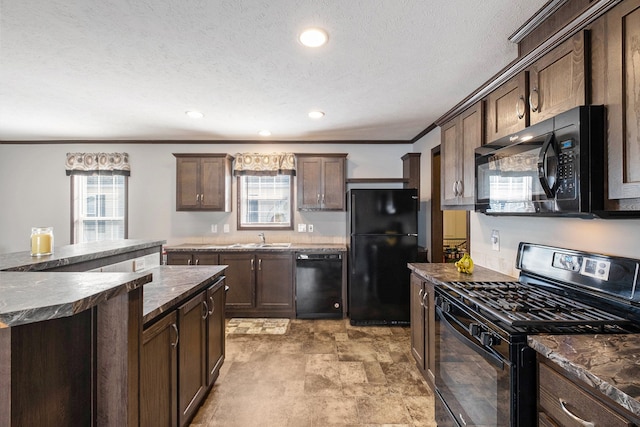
(336, 305)
(521, 105)
(534, 106)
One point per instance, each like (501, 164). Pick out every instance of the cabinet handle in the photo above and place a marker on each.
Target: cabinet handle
(535, 107)
(455, 188)
(175, 328)
(574, 416)
(424, 304)
(189, 262)
(460, 188)
(197, 198)
(323, 202)
(205, 310)
(202, 198)
(318, 198)
(260, 264)
(521, 104)
(213, 306)
(420, 296)
(197, 261)
(252, 265)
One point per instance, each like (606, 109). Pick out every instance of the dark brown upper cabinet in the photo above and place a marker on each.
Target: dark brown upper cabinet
(321, 181)
(203, 182)
(507, 110)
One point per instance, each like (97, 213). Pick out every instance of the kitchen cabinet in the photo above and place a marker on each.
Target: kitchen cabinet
(215, 331)
(423, 326)
(506, 108)
(558, 80)
(562, 402)
(192, 348)
(159, 373)
(619, 69)
(192, 258)
(260, 283)
(460, 137)
(203, 182)
(321, 181)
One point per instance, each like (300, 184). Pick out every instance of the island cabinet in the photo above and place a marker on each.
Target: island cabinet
(192, 258)
(423, 326)
(215, 332)
(321, 181)
(203, 182)
(506, 108)
(616, 80)
(460, 137)
(260, 284)
(159, 373)
(558, 80)
(562, 402)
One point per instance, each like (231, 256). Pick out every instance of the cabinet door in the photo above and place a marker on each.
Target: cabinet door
(205, 258)
(179, 258)
(622, 97)
(557, 80)
(450, 159)
(274, 282)
(471, 124)
(417, 321)
(430, 330)
(333, 179)
(192, 369)
(240, 277)
(187, 183)
(309, 175)
(212, 183)
(507, 110)
(159, 374)
(215, 331)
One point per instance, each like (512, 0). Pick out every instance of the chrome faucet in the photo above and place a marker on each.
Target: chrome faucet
(261, 235)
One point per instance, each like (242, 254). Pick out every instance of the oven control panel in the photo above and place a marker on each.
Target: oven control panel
(586, 266)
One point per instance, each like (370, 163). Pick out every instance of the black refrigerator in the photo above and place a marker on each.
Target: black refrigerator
(383, 238)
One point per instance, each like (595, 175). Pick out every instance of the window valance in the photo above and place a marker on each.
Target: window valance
(264, 164)
(98, 163)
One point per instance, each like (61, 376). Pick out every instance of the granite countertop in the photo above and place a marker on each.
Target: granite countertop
(439, 273)
(37, 296)
(608, 363)
(174, 283)
(73, 254)
(249, 247)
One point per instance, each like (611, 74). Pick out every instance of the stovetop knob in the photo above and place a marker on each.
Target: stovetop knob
(474, 329)
(487, 339)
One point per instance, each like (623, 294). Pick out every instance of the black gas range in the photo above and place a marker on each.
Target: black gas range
(485, 372)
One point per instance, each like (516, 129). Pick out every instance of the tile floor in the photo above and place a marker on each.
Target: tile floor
(320, 373)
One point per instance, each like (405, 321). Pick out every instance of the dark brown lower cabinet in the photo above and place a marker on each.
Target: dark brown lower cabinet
(423, 326)
(215, 331)
(159, 374)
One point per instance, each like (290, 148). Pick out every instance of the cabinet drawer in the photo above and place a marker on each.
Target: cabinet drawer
(554, 388)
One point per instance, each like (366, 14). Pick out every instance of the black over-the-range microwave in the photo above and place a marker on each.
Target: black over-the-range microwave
(553, 168)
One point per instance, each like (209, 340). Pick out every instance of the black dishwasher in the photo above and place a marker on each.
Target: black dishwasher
(318, 285)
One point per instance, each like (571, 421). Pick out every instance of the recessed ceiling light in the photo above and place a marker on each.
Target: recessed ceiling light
(316, 114)
(194, 114)
(313, 37)
(264, 132)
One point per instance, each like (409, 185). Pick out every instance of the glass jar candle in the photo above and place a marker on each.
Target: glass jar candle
(41, 241)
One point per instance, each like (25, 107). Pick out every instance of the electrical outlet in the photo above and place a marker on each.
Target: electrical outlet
(226, 228)
(302, 228)
(214, 228)
(310, 228)
(138, 264)
(495, 240)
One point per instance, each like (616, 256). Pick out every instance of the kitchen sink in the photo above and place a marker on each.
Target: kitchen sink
(260, 245)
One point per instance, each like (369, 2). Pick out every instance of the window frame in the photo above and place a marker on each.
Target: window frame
(72, 229)
(240, 226)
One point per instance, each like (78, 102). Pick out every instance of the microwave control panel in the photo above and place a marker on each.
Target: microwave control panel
(568, 169)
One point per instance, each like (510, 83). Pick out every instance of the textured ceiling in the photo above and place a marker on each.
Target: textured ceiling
(129, 69)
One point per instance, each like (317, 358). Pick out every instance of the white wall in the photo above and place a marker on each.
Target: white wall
(36, 192)
(613, 237)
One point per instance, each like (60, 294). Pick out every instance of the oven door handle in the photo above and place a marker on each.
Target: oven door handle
(488, 355)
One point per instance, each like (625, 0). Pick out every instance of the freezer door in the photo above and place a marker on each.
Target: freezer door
(379, 278)
(383, 211)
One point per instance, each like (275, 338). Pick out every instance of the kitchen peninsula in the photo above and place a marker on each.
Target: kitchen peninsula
(71, 342)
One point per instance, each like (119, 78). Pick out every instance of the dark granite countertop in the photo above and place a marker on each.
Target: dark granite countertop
(37, 296)
(249, 247)
(73, 254)
(447, 272)
(174, 283)
(608, 363)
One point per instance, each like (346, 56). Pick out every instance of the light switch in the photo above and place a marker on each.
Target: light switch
(495, 240)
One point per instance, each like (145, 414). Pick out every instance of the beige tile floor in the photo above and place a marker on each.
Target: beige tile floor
(320, 373)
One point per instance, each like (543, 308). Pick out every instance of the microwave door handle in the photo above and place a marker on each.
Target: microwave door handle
(542, 168)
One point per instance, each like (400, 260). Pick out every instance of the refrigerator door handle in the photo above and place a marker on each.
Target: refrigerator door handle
(413, 234)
